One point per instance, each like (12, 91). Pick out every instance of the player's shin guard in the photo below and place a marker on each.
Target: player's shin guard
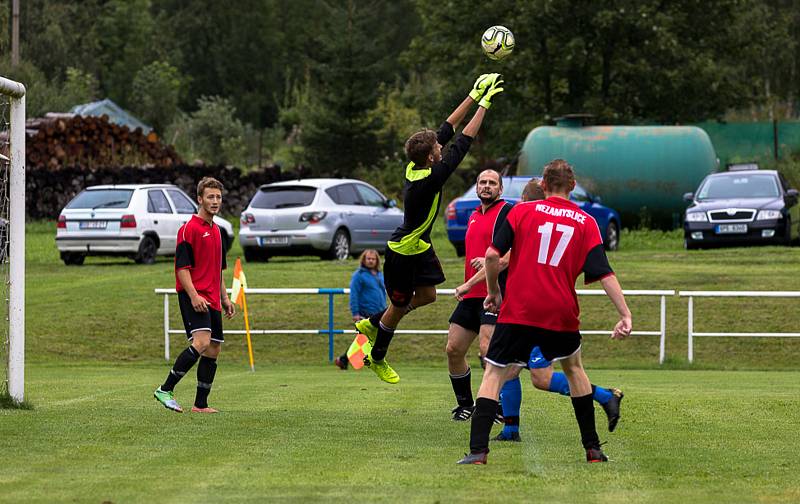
(511, 399)
(482, 420)
(584, 413)
(206, 371)
(381, 346)
(183, 364)
(559, 384)
(462, 387)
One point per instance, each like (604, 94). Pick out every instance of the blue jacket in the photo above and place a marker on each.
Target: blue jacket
(367, 293)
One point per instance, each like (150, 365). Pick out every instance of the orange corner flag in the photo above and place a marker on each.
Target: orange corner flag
(239, 284)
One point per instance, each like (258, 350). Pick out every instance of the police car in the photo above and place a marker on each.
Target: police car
(744, 205)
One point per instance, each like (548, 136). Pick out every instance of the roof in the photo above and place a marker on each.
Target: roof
(743, 172)
(115, 113)
(322, 183)
(129, 186)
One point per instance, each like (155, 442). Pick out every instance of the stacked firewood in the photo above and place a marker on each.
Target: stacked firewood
(60, 140)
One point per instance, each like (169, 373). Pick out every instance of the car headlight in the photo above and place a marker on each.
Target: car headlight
(768, 215)
(696, 217)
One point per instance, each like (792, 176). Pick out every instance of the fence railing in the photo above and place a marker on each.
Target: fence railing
(331, 330)
(719, 294)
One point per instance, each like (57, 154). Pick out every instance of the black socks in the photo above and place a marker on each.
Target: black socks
(183, 364)
(462, 387)
(381, 346)
(205, 377)
(482, 420)
(584, 413)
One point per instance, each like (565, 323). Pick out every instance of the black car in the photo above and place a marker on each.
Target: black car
(742, 207)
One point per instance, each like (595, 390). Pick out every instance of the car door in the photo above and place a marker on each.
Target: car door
(382, 219)
(354, 214)
(165, 221)
(184, 208)
(580, 197)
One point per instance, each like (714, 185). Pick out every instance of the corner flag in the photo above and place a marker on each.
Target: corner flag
(238, 295)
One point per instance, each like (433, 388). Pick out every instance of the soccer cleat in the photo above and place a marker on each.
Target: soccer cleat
(167, 399)
(195, 409)
(382, 369)
(595, 455)
(474, 458)
(340, 363)
(462, 413)
(612, 408)
(511, 436)
(365, 327)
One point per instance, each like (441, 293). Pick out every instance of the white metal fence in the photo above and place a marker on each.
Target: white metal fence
(723, 294)
(331, 331)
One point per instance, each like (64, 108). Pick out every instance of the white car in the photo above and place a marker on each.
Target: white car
(139, 221)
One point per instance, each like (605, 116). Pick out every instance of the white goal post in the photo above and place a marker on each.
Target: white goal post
(16, 238)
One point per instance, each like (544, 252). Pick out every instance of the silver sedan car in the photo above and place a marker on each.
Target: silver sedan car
(331, 218)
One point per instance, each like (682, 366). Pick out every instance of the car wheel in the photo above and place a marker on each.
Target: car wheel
(787, 234)
(690, 245)
(147, 251)
(255, 254)
(73, 258)
(340, 246)
(460, 249)
(612, 236)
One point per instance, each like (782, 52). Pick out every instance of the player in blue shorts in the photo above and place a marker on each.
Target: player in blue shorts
(543, 376)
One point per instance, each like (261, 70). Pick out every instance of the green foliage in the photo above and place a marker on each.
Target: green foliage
(45, 95)
(155, 94)
(79, 87)
(211, 134)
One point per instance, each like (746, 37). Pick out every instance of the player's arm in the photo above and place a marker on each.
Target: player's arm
(596, 268)
(479, 276)
(227, 305)
(500, 246)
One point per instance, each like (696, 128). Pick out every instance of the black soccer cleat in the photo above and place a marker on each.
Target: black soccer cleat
(341, 363)
(474, 458)
(595, 455)
(612, 408)
(511, 436)
(462, 413)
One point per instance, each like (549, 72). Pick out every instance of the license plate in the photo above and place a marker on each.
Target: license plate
(731, 228)
(274, 240)
(94, 224)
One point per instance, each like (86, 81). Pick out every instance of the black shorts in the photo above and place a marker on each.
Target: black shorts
(513, 343)
(402, 274)
(471, 315)
(198, 321)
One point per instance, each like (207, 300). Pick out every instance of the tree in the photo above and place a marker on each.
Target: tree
(155, 94)
(211, 134)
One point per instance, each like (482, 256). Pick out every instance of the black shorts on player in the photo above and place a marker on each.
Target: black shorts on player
(512, 344)
(195, 321)
(471, 315)
(404, 273)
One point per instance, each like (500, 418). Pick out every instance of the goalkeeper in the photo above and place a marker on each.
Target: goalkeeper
(411, 269)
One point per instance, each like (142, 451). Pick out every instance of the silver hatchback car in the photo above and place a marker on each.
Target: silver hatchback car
(331, 218)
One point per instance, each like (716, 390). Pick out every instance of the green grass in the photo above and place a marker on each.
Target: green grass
(313, 433)
(106, 310)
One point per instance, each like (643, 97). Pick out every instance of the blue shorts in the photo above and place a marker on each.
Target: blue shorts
(537, 360)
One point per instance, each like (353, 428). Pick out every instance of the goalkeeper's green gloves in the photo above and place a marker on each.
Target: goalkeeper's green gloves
(494, 89)
(483, 83)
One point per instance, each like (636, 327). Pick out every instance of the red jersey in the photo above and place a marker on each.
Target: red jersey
(481, 228)
(199, 250)
(552, 242)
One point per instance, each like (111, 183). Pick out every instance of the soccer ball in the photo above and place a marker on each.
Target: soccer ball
(497, 42)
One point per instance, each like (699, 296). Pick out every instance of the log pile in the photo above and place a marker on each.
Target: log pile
(59, 140)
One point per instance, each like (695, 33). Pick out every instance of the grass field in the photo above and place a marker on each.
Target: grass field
(309, 433)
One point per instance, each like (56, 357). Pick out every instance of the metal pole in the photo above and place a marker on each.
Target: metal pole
(166, 327)
(16, 305)
(662, 343)
(330, 327)
(691, 329)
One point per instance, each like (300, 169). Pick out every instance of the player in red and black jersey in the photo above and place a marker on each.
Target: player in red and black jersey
(199, 261)
(552, 242)
(411, 269)
(470, 318)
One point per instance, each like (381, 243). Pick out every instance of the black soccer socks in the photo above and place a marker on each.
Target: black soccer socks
(206, 371)
(183, 364)
(382, 340)
(584, 413)
(481, 427)
(462, 387)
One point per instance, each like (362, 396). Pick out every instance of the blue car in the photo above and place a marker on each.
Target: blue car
(459, 210)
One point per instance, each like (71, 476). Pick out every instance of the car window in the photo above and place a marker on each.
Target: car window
(102, 198)
(283, 197)
(370, 196)
(157, 202)
(739, 186)
(183, 205)
(344, 194)
(579, 194)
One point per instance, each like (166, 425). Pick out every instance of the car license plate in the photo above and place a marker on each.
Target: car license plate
(732, 228)
(274, 240)
(94, 224)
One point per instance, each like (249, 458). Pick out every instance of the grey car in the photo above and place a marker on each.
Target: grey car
(331, 218)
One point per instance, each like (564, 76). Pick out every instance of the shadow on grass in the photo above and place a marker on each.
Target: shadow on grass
(8, 402)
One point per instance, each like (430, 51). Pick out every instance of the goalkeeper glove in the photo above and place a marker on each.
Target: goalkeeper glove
(483, 83)
(486, 101)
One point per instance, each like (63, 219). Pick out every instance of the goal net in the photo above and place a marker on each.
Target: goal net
(12, 239)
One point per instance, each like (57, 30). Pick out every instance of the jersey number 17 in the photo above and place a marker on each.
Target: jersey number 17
(546, 230)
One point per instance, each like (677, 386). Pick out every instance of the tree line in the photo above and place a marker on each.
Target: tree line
(337, 85)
